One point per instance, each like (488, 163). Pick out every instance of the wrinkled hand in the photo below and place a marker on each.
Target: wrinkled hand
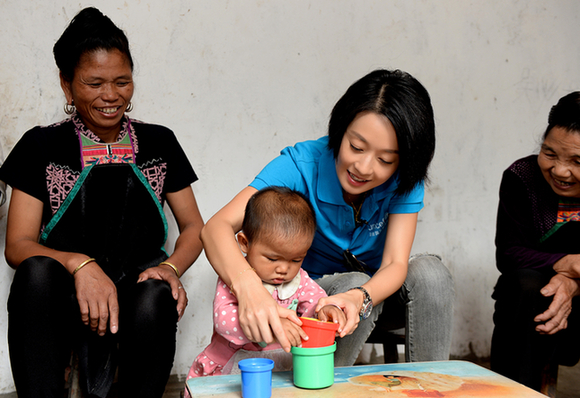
(555, 318)
(350, 302)
(97, 297)
(260, 316)
(166, 274)
(331, 313)
(569, 266)
(293, 332)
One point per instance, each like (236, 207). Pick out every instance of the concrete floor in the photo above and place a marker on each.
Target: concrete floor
(568, 382)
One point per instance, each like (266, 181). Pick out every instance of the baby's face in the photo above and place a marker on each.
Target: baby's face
(278, 261)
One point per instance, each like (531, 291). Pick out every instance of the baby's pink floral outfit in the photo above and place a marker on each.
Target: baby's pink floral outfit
(300, 294)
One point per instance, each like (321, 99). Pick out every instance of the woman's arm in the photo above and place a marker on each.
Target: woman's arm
(23, 231)
(96, 292)
(516, 235)
(569, 266)
(393, 271)
(390, 276)
(187, 246)
(259, 313)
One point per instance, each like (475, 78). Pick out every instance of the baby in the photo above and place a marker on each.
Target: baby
(277, 231)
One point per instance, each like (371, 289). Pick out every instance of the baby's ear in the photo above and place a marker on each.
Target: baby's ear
(243, 242)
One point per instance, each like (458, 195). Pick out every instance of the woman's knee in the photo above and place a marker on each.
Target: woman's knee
(38, 271)
(521, 289)
(427, 274)
(340, 283)
(40, 279)
(149, 301)
(520, 284)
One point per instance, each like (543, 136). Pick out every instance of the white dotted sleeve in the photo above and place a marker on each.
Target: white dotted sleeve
(225, 315)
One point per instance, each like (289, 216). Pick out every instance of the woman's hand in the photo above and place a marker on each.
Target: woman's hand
(97, 297)
(555, 318)
(167, 274)
(259, 313)
(350, 303)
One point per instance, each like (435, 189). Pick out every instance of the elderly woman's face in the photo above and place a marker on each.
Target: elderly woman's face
(559, 160)
(101, 90)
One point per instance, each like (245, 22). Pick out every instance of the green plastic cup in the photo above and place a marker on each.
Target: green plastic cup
(313, 368)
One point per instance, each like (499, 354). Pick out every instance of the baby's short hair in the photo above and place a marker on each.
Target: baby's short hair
(278, 213)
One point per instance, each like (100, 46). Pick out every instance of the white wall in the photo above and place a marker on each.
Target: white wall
(239, 80)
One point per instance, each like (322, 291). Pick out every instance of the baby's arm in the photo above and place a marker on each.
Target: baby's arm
(226, 320)
(294, 333)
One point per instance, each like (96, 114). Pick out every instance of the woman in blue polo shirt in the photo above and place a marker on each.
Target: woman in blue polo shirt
(366, 183)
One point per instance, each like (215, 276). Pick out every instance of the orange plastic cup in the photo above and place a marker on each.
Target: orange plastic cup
(320, 334)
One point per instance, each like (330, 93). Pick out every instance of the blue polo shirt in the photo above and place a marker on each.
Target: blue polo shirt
(309, 167)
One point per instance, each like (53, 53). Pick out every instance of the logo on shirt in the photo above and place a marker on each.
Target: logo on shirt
(376, 228)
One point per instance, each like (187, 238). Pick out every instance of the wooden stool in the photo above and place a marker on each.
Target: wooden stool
(74, 388)
(550, 380)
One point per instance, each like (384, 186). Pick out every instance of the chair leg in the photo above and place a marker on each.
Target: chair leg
(550, 380)
(74, 390)
(390, 352)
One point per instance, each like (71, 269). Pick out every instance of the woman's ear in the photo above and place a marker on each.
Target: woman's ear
(243, 242)
(66, 87)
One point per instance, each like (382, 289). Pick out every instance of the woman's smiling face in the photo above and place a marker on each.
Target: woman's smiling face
(368, 155)
(101, 90)
(559, 160)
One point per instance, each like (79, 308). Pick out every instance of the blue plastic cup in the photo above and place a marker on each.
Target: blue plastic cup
(256, 377)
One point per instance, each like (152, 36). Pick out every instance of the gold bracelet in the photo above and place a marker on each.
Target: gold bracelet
(241, 272)
(77, 269)
(172, 266)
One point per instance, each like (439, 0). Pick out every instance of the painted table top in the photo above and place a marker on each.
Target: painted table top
(415, 379)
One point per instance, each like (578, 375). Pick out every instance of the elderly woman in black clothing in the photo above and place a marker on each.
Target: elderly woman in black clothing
(538, 254)
(86, 230)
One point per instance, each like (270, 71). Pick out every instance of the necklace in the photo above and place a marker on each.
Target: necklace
(357, 207)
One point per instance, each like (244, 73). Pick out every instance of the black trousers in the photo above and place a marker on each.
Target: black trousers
(44, 325)
(517, 350)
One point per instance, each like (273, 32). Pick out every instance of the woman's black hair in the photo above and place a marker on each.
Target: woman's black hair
(278, 212)
(89, 31)
(565, 114)
(406, 103)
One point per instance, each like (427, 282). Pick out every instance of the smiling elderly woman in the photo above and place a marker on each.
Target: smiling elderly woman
(86, 230)
(538, 254)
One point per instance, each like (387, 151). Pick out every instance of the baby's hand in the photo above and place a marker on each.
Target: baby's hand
(331, 313)
(294, 333)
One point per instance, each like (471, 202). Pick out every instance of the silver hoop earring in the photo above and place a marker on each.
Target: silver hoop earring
(129, 107)
(69, 109)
